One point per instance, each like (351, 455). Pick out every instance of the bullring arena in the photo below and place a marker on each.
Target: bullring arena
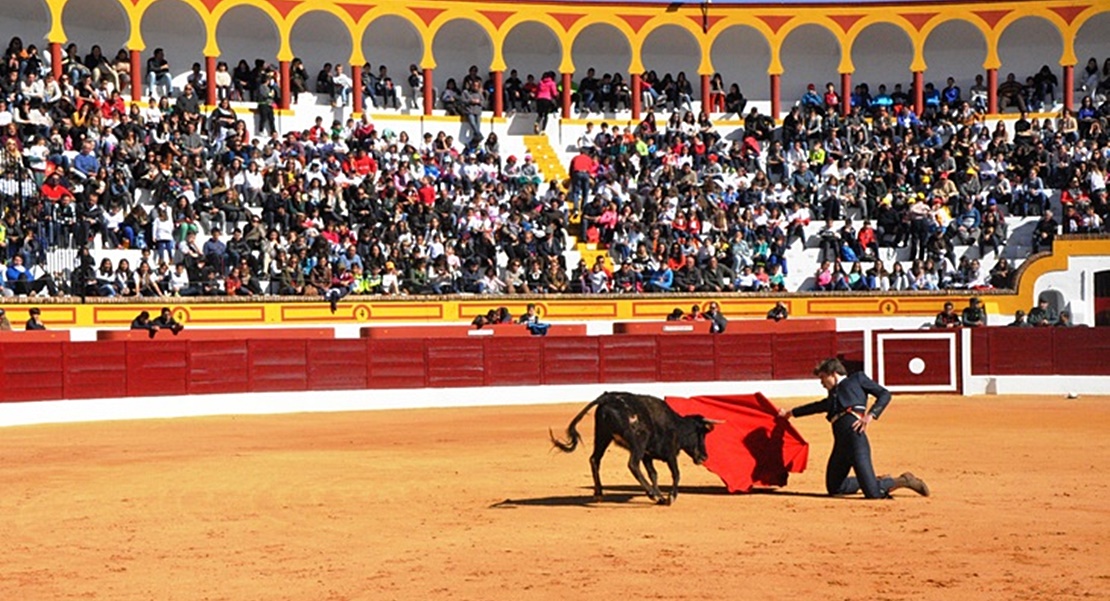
(306, 443)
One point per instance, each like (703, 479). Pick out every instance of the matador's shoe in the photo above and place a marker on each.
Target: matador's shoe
(912, 482)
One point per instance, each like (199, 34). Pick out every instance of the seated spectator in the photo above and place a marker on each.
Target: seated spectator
(1019, 320)
(947, 318)
(973, 315)
(778, 312)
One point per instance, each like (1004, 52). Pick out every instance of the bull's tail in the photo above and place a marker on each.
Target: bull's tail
(572, 431)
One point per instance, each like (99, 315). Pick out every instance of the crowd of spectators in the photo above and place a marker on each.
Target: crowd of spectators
(346, 207)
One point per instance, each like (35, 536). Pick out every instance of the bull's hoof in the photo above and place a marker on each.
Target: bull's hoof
(598, 498)
(664, 501)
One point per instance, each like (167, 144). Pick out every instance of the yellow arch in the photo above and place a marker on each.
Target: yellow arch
(1036, 13)
(267, 9)
(822, 22)
(883, 18)
(990, 59)
(759, 26)
(460, 14)
(199, 9)
(333, 10)
(358, 34)
(635, 66)
(566, 64)
(57, 31)
(682, 21)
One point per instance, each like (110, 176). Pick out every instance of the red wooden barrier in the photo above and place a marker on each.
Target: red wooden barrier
(337, 364)
(1081, 351)
(685, 358)
(849, 349)
(571, 360)
(627, 359)
(505, 330)
(34, 336)
(277, 365)
(217, 367)
(156, 368)
(795, 354)
(31, 371)
(455, 362)
(1021, 351)
(513, 362)
(221, 334)
(397, 364)
(95, 370)
(655, 328)
(743, 357)
(981, 351)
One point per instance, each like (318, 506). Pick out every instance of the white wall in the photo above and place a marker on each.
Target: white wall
(319, 37)
(392, 41)
(1077, 285)
(92, 22)
(955, 49)
(176, 28)
(881, 55)
(27, 19)
(458, 45)
(741, 55)
(1026, 45)
(247, 33)
(604, 48)
(1092, 41)
(810, 54)
(671, 49)
(531, 48)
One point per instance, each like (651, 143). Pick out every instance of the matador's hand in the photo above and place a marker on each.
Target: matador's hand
(861, 424)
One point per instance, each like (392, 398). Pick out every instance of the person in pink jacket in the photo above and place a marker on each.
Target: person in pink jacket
(546, 94)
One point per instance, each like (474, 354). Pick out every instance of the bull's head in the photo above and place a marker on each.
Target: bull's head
(693, 440)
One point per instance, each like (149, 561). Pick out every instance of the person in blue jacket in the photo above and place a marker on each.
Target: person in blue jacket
(846, 409)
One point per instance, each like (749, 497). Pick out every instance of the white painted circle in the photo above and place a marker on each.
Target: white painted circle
(917, 366)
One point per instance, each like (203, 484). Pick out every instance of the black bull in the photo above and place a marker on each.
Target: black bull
(649, 429)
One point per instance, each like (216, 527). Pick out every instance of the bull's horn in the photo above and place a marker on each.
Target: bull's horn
(713, 421)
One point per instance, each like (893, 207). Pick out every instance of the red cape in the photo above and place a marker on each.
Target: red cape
(753, 446)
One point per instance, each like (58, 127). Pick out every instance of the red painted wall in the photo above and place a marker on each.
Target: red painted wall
(44, 370)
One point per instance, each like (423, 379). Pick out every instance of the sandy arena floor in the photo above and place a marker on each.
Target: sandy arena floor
(474, 504)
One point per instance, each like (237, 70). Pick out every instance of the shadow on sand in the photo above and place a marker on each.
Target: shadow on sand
(626, 493)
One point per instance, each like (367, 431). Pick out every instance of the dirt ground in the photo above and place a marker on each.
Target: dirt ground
(474, 504)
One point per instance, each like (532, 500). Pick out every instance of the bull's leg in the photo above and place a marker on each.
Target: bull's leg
(601, 443)
(673, 464)
(649, 465)
(637, 455)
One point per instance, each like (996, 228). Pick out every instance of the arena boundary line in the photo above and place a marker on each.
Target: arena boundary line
(209, 405)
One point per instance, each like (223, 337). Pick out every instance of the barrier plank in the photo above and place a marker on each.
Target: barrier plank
(513, 362)
(743, 356)
(455, 362)
(397, 364)
(688, 358)
(1081, 351)
(981, 351)
(655, 328)
(849, 349)
(508, 330)
(1021, 351)
(795, 354)
(221, 334)
(628, 359)
(277, 365)
(156, 368)
(571, 361)
(31, 371)
(95, 370)
(337, 364)
(34, 335)
(218, 366)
